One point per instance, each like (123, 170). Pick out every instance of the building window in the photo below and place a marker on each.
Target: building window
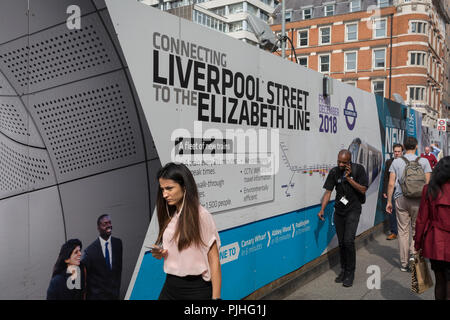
(324, 63)
(302, 40)
(351, 32)
(303, 61)
(418, 27)
(236, 8)
(379, 58)
(380, 28)
(325, 35)
(350, 61)
(236, 26)
(416, 94)
(307, 13)
(383, 3)
(355, 5)
(220, 11)
(328, 10)
(288, 16)
(208, 21)
(264, 16)
(417, 58)
(253, 10)
(378, 87)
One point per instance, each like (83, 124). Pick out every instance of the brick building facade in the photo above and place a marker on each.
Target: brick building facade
(381, 46)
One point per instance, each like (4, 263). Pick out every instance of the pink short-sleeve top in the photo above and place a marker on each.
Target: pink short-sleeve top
(194, 259)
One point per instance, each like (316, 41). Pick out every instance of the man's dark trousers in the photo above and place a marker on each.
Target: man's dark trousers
(346, 225)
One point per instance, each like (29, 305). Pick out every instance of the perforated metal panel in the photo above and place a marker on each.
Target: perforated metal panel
(16, 124)
(68, 124)
(89, 126)
(22, 168)
(58, 55)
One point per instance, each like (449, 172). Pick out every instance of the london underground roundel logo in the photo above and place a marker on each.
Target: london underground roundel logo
(350, 113)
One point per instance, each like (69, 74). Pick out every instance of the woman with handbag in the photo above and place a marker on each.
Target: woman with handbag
(188, 239)
(433, 227)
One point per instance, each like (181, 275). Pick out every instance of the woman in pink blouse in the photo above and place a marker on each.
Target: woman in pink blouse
(188, 240)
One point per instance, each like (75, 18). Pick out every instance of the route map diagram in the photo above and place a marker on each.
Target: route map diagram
(321, 169)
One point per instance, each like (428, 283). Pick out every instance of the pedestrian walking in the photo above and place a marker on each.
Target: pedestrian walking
(351, 183)
(408, 175)
(392, 218)
(188, 240)
(433, 227)
(430, 157)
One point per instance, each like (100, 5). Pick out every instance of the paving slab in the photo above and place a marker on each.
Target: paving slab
(377, 257)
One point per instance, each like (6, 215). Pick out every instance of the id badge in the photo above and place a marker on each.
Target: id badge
(344, 200)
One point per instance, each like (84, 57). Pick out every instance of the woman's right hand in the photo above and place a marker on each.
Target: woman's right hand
(158, 252)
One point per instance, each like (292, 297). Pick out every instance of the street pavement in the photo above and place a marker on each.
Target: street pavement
(393, 285)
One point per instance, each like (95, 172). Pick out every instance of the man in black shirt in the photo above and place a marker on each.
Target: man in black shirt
(350, 181)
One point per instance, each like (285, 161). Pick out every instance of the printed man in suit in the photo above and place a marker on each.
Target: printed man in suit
(103, 261)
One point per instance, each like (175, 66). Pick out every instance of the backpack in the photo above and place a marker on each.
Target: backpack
(413, 179)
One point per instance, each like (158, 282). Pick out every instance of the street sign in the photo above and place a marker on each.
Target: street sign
(442, 124)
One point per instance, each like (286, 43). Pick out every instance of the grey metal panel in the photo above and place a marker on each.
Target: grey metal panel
(57, 56)
(15, 122)
(89, 126)
(149, 143)
(46, 235)
(123, 194)
(14, 19)
(5, 87)
(109, 26)
(100, 4)
(23, 168)
(47, 13)
(153, 167)
(27, 248)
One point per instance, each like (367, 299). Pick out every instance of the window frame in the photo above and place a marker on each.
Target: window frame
(311, 13)
(321, 38)
(423, 92)
(346, 60)
(346, 31)
(417, 52)
(425, 25)
(351, 7)
(299, 39)
(384, 86)
(374, 67)
(325, 5)
(303, 57)
(286, 15)
(320, 63)
(374, 35)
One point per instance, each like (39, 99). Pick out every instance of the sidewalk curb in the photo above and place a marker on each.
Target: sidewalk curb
(289, 283)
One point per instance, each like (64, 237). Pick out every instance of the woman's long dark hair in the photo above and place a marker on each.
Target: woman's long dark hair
(188, 227)
(64, 254)
(439, 176)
